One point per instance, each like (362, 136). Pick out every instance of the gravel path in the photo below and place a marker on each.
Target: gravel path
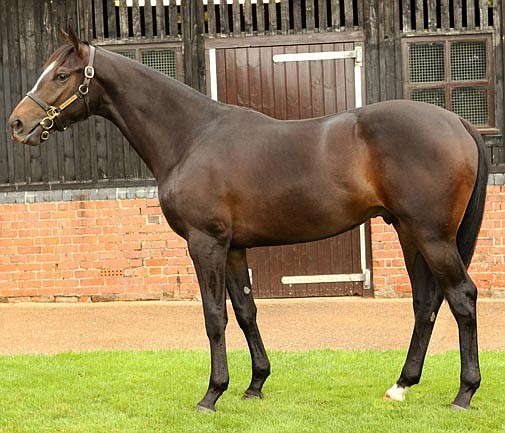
(294, 324)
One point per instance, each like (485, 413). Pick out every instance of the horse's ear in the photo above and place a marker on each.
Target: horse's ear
(73, 39)
(63, 35)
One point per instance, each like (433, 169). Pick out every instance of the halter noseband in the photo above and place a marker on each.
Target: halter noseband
(52, 119)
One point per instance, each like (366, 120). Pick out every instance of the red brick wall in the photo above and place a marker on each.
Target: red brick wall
(91, 250)
(488, 264)
(124, 250)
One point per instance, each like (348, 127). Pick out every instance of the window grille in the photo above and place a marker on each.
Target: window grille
(161, 59)
(471, 103)
(427, 63)
(435, 96)
(468, 60)
(452, 72)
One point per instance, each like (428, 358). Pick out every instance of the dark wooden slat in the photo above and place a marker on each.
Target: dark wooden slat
(111, 19)
(458, 15)
(254, 78)
(498, 22)
(470, 15)
(335, 14)
(322, 11)
(25, 29)
(349, 15)
(231, 76)
(136, 19)
(292, 97)
(148, 19)
(419, 15)
(484, 14)
(297, 17)
(260, 17)
(272, 16)
(221, 73)
(236, 17)
(316, 74)
(279, 70)
(123, 19)
(407, 24)
(223, 13)
(444, 12)
(432, 15)
(248, 19)
(285, 17)
(211, 17)
(99, 17)
(16, 34)
(309, 15)
(4, 97)
(241, 77)
(267, 81)
(173, 18)
(304, 85)
(160, 18)
(81, 12)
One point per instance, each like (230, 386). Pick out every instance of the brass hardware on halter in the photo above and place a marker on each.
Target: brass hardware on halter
(53, 113)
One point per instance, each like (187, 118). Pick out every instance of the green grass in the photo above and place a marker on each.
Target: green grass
(319, 391)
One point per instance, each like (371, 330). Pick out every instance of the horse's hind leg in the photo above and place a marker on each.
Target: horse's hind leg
(461, 294)
(239, 289)
(443, 258)
(427, 298)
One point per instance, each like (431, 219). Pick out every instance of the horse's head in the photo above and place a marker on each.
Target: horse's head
(59, 96)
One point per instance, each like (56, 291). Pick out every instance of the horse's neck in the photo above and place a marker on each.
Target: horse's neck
(156, 115)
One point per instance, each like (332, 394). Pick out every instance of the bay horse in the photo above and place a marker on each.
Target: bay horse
(230, 178)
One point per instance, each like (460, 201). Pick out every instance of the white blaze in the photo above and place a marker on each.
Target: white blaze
(46, 71)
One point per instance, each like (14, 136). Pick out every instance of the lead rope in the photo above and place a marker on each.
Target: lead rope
(52, 119)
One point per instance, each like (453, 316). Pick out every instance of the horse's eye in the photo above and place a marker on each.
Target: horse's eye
(62, 77)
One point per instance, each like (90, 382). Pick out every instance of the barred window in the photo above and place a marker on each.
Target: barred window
(453, 72)
(162, 59)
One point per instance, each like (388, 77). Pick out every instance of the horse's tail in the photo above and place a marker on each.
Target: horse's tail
(470, 225)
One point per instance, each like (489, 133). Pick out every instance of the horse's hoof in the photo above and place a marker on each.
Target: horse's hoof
(248, 395)
(457, 407)
(396, 393)
(205, 409)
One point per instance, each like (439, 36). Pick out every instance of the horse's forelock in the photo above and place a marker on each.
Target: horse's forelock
(60, 55)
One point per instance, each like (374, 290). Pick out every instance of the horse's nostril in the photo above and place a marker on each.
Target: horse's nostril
(17, 126)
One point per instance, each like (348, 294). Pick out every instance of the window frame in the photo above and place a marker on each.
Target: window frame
(448, 84)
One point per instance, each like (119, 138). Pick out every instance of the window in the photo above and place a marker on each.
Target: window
(166, 60)
(454, 73)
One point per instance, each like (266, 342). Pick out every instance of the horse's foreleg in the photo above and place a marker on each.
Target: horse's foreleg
(209, 258)
(427, 298)
(239, 289)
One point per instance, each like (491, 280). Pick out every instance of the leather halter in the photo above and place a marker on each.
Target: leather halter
(53, 113)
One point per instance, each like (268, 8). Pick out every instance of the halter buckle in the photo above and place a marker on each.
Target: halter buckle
(47, 123)
(89, 72)
(53, 112)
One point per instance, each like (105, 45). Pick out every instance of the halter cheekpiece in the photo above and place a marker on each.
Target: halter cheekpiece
(52, 119)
